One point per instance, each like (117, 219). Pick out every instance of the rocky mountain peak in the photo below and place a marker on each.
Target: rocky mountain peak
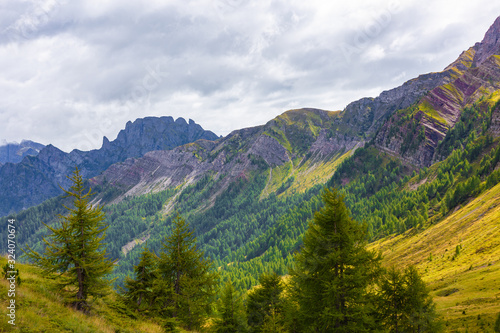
(36, 179)
(489, 45)
(15, 152)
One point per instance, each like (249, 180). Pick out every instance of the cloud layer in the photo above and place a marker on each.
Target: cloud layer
(74, 71)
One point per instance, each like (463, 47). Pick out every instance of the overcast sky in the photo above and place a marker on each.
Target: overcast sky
(73, 71)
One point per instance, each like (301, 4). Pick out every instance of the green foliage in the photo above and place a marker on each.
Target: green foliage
(404, 304)
(472, 121)
(266, 304)
(187, 277)
(8, 272)
(333, 271)
(75, 254)
(139, 291)
(497, 324)
(231, 315)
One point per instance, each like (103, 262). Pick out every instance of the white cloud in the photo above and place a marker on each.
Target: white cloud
(74, 71)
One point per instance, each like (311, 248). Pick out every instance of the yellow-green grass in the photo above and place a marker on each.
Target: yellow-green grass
(465, 286)
(306, 175)
(429, 110)
(40, 308)
(312, 173)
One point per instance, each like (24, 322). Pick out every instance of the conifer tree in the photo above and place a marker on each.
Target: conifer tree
(333, 271)
(391, 299)
(420, 308)
(265, 303)
(140, 294)
(404, 303)
(230, 311)
(187, 278)
(75, 254)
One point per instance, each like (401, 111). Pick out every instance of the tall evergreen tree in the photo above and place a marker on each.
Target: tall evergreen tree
(75, 254)
(230, 312)
(404, 303)
(333, 271)
(420, 308)
(188, 277)
(265, 303)
(140, 294)
(391, 299)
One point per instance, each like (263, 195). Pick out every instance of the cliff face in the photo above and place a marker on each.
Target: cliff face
(365, 116)
(37, 178)
(475, 74)
(489, 45)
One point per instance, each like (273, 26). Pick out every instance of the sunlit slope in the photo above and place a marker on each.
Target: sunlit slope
(39, 308)
(459, 258)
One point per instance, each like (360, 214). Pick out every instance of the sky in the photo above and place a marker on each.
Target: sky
(73, 71)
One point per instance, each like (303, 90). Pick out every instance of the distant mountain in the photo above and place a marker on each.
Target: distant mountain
(37, 178)
(15, 152)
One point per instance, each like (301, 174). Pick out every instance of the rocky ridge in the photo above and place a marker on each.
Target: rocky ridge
(15, 152)
(295, 136)
(37, 178)
(475, 74)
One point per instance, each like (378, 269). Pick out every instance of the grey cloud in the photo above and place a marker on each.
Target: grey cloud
(87, 67)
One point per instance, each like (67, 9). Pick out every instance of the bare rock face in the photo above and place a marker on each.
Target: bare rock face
(495, 122)
(474, 74)
(490, 44)
(38, 178)
(366, 115)
(235, 156)
(270, 150)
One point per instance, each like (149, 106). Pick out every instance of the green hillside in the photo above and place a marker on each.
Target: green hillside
(459, 259)
(39, 309)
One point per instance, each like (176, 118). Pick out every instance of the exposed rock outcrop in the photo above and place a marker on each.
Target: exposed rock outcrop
(297, 134)
(476, 73)
(37, 178)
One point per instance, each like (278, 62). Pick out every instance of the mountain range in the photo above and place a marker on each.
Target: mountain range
(37, 178)
(15, 152)
(411, 163)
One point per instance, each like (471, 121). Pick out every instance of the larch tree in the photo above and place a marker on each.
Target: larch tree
(334, 271)
(420, 309)
(75, 254)
(139, 291)
(188, 278)
(266, 303)
(231, 316)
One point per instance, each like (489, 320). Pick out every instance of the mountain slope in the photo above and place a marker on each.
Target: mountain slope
(37, 178)
(15, 152)
(459, 259)
(249, 195)
(39, 309)
(297, 139)
(475, 74)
